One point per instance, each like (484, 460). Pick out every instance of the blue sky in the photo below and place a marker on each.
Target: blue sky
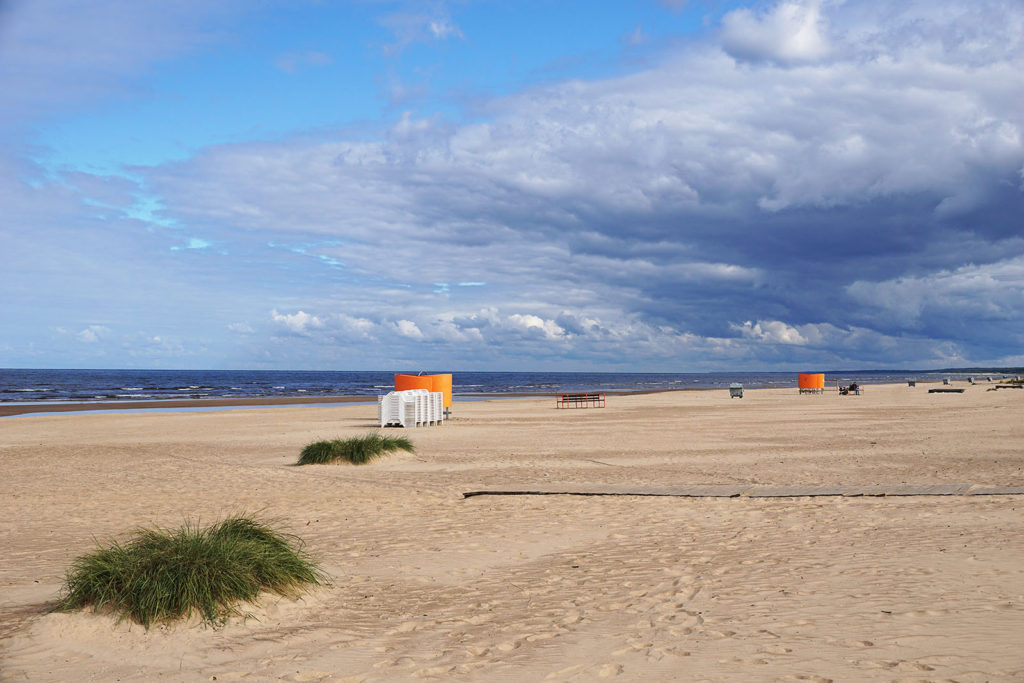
(662, 185)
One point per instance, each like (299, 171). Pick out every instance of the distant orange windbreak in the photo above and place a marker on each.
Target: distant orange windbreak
(811, 381)
(435, 383)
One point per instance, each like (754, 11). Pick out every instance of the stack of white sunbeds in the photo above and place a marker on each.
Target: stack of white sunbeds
(411, 408)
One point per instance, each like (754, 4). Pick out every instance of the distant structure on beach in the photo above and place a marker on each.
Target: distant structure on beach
(432, 383)
(811, 383)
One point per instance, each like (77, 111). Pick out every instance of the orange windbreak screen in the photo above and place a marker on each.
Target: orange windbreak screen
(815, 381)
(442, 383)
(406, 382)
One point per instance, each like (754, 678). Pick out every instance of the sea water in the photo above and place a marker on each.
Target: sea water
(27, 386)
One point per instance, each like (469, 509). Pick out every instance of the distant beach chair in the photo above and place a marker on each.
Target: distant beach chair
(593, 399)
(735, 390)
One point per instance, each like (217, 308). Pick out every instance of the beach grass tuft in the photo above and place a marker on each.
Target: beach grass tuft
(357, 450)
(161, 576)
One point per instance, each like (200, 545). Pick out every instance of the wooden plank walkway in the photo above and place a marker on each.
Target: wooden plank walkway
(749, 491)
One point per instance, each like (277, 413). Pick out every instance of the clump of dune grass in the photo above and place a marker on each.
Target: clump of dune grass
(358, 450)
(160, 576)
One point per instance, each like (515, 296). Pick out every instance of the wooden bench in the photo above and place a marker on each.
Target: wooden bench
(945, 391)
(1010, 386)
(580, 400)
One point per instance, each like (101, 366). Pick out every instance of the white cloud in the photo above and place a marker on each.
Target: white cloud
(443, 28)
(408, 328)
(548, 328)
(771, 332)
(300, 323)
(992, 291)
(93, 334)
(410, 27)
(791, 32)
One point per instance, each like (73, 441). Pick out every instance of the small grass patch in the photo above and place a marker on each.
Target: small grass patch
(358, 450)
(160, 576)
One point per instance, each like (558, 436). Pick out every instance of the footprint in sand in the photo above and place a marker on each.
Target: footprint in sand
(433, 671)
(856, 643)
(406, 627)
(570, 619)
(722, 634)
(609, 670)
(999, 607)
(563, 673)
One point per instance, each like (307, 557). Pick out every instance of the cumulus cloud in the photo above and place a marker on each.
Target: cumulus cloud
(771, 332)
(93, 334)
(993, 291)
(790, 32)
(531, 324)
(299, 323)
(408, 328)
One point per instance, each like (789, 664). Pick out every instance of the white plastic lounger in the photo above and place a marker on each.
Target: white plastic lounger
(410, 408)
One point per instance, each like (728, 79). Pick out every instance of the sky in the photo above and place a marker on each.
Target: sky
(654, 185)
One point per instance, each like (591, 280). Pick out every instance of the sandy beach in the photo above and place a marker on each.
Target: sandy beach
(428, 584)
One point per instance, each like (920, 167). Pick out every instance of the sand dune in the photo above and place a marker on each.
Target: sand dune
(427, 584)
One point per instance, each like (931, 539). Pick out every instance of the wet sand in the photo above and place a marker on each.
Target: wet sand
(428, 584)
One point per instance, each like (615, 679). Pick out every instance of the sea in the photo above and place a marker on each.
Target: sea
(86, 386)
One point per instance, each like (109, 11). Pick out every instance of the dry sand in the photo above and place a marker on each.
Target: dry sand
(427, 584)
